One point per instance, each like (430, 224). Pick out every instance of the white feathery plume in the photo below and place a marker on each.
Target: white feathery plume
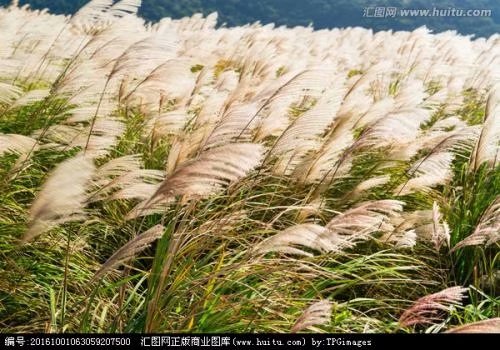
(371, 183)
(84, 113)
(401, 239)
(303, 134)
(185, 146)
(331, 160)
(125, 7)
(99, 14)
(310, 82)
(273, 120)
(440, 229)
(379, 109)
(416, 225)
(291, 239)
(144, 56)
(9, 93)
(235, 124)
(165, 124)
(94, 7)
(63, 196)
(491, 325)
(487, 231)
(366, 218)
(227, 81)
(212, 108)
(316, 314)
(130, 250)
(123, 178)
(342, 232)
(427, 172)
(17, 144)
(136, 190)
(145, 207)
(459, 140)
(488, 144)
(215, 167)
(117, 167)
(359, 82)
(92, 12)
(143, 181)
(170, 81)
(210, 172)
(453, 122)
(103, 135)
(411, 94)
(396, 128)
(356, 103)
(432, 308)
(31, 97)
(427, 225)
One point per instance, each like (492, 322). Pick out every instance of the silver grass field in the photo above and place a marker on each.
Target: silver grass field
(179, 177)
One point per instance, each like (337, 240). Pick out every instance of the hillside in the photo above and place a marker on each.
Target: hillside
(321, 13)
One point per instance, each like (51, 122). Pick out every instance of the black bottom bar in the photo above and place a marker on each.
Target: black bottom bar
(240, 341)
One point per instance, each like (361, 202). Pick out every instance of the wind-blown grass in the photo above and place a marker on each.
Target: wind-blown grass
(179, 177)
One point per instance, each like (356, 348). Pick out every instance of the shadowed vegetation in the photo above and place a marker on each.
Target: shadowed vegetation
(183, 178)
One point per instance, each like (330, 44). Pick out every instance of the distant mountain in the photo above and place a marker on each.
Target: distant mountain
(320, 13)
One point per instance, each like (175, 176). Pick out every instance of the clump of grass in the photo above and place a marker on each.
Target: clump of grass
(271, 200)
